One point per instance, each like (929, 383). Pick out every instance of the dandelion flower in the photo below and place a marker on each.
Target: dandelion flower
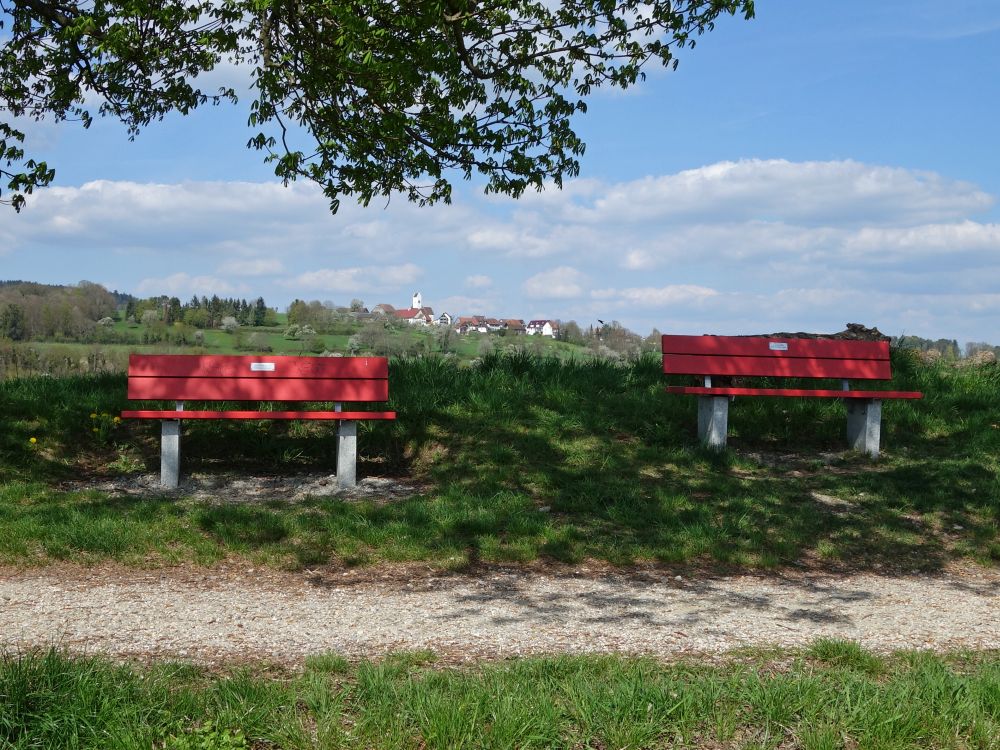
(94, 429)
(93, 415)
(117, 420)
(33, 440)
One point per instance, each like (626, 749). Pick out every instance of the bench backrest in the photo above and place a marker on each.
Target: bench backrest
(195, 377)
(773, 357)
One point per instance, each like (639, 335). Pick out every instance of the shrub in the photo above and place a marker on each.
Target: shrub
(296, 332)
(258, 343)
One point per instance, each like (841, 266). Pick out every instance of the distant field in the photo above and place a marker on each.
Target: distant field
(46, 357)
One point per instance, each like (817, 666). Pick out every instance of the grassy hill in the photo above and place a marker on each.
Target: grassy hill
(528, 459)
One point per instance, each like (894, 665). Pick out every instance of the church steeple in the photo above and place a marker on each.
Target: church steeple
(418, 301)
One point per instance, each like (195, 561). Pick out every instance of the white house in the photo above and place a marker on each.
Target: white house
(542, 328)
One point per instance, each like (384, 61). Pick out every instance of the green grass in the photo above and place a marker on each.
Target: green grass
(528, 459)
(802, 700)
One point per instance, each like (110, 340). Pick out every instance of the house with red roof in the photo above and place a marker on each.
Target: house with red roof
(417, 316)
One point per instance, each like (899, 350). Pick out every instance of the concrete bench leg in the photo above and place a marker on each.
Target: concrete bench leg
(864, 425)
(347, 454)
(170, 453)
(713, 420)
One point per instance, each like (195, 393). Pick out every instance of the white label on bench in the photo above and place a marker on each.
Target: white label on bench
(778, 346)
(262, 366)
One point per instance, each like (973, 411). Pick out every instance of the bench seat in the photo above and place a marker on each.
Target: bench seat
(320, 415)
(698, 390)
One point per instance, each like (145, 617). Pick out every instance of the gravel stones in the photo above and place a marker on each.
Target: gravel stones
(239, 614)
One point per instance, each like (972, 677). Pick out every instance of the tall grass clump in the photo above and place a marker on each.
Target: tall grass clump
(46, 425)
(50, 700)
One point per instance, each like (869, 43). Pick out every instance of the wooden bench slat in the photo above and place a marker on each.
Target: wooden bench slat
(256, 366)
(760, 346)
(312, 415)
(818, 393)
(786, 367)
(255, 389)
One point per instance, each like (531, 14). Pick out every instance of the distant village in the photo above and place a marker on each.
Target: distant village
(418, 314)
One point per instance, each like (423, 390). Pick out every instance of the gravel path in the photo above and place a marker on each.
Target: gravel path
(234, 615)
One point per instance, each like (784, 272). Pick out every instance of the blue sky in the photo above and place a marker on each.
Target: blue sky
(824, 163)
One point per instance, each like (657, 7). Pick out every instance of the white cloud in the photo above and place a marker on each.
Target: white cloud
(228, 220)
(925, 239)
(216, 217)
(478, 281)
(357, 279)
(753, 212)
(757, 242)
(252, 267)
(838, 192)
(364, 230)
(637, 260)
(183, 285)
(458, 304)
(396, 275)
(227, 74)
(678, 294)
(6, 238)
(559, 283)
(511, 241)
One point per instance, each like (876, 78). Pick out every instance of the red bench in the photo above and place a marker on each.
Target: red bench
(189, 377)
(758, 356)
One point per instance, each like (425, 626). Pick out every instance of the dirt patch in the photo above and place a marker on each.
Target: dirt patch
(836, 504)
(240, 488)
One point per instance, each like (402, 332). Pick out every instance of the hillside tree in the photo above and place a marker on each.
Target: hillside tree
(12, 322)
(367, 99)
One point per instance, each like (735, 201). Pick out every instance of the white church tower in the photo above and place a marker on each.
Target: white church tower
(418, 301)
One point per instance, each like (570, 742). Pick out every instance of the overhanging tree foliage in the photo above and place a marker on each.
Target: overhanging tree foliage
(365, 97)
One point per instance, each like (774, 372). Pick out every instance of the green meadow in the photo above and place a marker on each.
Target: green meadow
(522, 459)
